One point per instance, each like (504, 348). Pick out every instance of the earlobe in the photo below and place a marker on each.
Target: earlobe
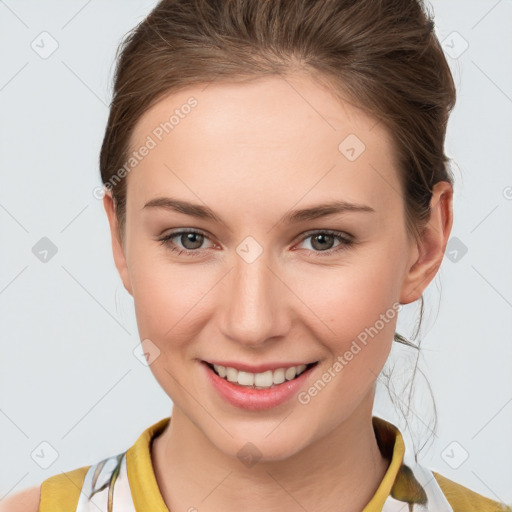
(117, 246)
(428, 252)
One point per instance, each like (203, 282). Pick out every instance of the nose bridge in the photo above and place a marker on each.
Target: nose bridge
(255, 308)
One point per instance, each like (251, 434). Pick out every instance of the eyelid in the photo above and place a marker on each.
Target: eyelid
(332, 232)
(180, 231)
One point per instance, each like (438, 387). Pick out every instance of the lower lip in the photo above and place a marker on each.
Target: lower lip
(256, 399)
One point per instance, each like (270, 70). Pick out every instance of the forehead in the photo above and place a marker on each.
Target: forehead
(284, 137)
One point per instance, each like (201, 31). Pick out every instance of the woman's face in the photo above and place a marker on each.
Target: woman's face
(260, 286)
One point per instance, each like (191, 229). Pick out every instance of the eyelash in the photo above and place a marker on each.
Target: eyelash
(344, 245)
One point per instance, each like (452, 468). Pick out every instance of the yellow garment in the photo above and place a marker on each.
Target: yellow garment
(60, 493)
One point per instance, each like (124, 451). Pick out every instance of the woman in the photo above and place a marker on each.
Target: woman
(276, 188)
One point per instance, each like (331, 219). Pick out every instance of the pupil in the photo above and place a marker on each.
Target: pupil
(189, 237)
(322, 237)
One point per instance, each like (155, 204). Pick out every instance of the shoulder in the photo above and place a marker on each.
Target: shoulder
(23, 501)
(463, 499)
(62, 491)
(58, 492)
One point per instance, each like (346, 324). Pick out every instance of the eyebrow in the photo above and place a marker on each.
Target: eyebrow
(295, 216)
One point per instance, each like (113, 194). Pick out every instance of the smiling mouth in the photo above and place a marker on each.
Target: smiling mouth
(264, 380)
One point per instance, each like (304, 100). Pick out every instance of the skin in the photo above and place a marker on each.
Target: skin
(252, 152)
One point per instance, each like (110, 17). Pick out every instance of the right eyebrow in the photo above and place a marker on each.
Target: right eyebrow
(194, 210)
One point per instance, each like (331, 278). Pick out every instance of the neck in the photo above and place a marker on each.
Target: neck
(341, 472)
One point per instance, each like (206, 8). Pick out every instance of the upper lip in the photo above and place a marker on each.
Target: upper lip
(258, 368)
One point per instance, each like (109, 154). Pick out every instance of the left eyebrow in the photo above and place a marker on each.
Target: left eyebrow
(323, 210)
(295, 216)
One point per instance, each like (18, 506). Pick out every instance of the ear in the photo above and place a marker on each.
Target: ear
(117, 246)
(428, 252)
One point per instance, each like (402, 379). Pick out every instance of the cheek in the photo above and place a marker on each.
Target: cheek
(360, 347)
(168, 298)
(358, 305)
(165, 302)
(157, 293)
(376, 282)
(160, 306)
(349, 298)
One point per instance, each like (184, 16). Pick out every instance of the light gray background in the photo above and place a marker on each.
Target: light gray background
(68, 373)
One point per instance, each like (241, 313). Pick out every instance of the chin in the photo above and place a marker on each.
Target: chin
(263, 443)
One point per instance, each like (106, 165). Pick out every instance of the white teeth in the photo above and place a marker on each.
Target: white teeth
(290, 373)
(232, 374)
(278, 376)
(245, 378)
(221, 370)
(259, 380)
(263, 380)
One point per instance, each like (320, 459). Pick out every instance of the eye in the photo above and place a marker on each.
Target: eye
(322, 240)
(192, 240)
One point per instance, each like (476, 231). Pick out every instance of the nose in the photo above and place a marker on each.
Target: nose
(256, 304)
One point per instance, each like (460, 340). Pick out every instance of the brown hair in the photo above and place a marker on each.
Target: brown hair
(381, 55)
